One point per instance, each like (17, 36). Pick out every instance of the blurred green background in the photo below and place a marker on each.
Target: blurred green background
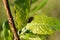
(2, 13)
(52, 8)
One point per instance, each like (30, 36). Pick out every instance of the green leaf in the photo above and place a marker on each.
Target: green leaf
(36, 8)
(29, 36)
(21, 8)
(42, 24)
(8, 35)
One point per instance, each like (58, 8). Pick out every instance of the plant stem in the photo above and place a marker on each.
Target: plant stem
(10, 19)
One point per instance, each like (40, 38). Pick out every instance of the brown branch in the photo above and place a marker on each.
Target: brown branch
(10, 19)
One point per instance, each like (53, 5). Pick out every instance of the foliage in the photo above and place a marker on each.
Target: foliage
(39, 28)
(42, 25)
(8, 35)
(46, 25)
(21, 9)
(30, 36)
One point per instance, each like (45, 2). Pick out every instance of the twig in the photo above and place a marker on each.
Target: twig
(10, 19)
